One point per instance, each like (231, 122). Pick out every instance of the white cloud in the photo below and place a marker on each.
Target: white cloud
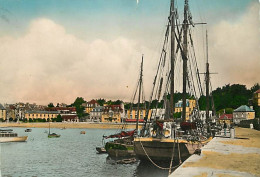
(49, 65)
(234, 47)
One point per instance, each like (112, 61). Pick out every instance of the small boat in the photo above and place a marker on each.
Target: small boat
(121, 147)
(126, 161)
(101, 150)
(83, 132)
(53, 135)
(7, 135)
(28, 130)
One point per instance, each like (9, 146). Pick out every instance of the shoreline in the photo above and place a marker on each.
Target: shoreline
(70, 125)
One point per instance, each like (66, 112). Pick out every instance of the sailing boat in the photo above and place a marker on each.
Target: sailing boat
(52, 135)
(162, 140)
(123, 145)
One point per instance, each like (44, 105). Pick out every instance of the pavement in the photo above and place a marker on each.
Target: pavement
(225, 157)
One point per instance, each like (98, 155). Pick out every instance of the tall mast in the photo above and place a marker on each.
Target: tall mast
(207, 81)
(172, 15)
(139, 95)
(185, 58)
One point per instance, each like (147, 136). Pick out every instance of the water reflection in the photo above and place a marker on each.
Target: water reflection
(146, 168)
(143, 168)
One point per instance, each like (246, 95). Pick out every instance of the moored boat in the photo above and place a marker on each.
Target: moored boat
(101, 150)
(7, 135)
(82, 132)
(122, 146)
(28, 130)
(160, 139)
(53, 135)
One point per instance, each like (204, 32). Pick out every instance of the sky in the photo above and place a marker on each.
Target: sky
(55, 51)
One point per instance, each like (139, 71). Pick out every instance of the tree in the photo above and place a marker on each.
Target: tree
(255, 88)
(50, 105)
(226, 111)
(79, 108)
(109, 102)
(101, 102)
(59, 118)
(78, 101)
(177, 115)
(231, 96)
(118, 102)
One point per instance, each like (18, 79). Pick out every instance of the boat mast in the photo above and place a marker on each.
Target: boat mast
(207, 81)
(139, 95)
(172, 15)
(185, 58)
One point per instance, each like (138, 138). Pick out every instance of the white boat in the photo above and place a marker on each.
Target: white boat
(7, 135)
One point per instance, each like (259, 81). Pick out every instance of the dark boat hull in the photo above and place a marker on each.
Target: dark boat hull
(162, 149)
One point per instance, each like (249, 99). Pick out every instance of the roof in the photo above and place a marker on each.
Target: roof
(11, 106)
(2, 107)
(244, 108)
(113, 108)
(226, 116)
(258, 91)
(92, 102)
(60, 108)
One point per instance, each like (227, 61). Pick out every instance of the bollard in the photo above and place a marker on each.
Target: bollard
(232, 133)
(251, 126)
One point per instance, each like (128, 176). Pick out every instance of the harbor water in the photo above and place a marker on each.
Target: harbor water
(73, 154)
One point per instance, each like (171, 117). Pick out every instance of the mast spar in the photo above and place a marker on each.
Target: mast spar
(185, 58)
(172, 58)
(207, 81)
(139, 95)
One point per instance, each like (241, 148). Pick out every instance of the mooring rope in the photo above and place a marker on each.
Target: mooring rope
(172, 158)
(153, 161)
(179, 151)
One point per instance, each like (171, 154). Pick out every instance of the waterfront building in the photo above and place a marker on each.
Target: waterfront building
(62, 110)
(112, 113)
(96, 114)
(11, 112)
(243, 113)
(190, 105)
(70, 118)
(52, 112)
(2, 112)
(47, 115)
(90, 105)
(131, 115)
(228, 118)
(256, 97)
